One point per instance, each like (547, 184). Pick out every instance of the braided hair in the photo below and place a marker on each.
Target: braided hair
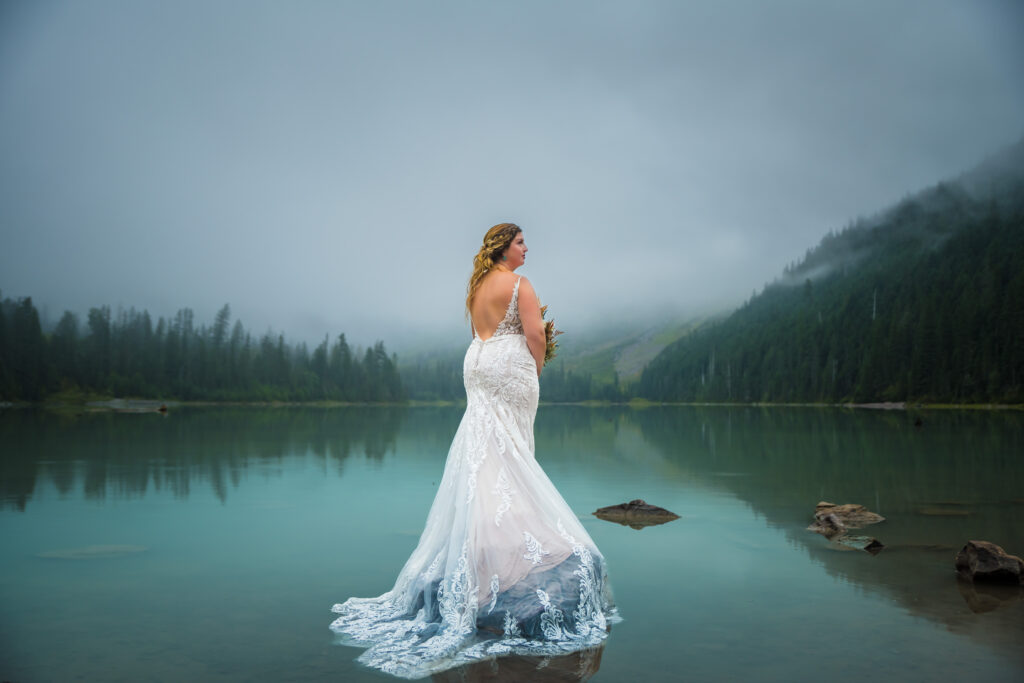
(496, 241)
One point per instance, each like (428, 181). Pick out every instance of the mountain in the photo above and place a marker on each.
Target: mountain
(605, 353)
(923, 302)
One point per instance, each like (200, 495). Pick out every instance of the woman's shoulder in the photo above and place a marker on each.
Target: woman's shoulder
(500, 284)
(503, 278)
(524, 282)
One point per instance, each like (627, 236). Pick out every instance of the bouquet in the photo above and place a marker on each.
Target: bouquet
(550, 345)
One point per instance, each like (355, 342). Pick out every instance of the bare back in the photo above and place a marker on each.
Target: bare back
(491, 302)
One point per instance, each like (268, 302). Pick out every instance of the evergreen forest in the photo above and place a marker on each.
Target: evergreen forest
(127, 355)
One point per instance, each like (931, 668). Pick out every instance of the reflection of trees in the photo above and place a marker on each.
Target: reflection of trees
(577, 421)
(878, 458)
(577, 432)
(432, 426)
(125, 455)
(783, 461)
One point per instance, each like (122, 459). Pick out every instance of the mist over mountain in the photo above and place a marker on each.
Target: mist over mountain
(923, 301)
(332, 166)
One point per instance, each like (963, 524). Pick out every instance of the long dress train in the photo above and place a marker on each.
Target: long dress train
(503, 565)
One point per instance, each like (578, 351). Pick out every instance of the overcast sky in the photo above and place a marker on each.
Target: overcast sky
(332, 166)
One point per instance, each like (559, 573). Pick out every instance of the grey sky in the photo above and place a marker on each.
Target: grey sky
(329, 166)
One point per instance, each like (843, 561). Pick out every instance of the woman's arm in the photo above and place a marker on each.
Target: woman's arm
(533, 324)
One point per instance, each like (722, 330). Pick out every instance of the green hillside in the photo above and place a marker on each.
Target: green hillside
(607, 353)
(924, 302)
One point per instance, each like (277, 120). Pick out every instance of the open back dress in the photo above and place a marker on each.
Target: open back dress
(503, 565)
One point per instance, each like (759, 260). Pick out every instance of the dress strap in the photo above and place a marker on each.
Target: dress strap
(512, 311)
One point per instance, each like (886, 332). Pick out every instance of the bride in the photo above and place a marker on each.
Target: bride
(503, 565)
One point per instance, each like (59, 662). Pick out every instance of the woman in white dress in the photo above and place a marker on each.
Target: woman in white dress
(503, 565)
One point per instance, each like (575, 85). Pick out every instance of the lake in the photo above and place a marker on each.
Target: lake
(211, 543)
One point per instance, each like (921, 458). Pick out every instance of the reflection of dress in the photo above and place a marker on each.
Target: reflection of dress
(503, 565)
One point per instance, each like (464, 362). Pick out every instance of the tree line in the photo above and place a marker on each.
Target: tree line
(128, 355)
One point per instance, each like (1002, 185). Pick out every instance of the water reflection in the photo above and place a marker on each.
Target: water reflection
(981, 598)
(124, 456)
(956, 477)
(773, 456)
(571, 668)
(783, 461)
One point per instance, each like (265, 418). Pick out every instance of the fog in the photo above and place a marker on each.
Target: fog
(332, 167)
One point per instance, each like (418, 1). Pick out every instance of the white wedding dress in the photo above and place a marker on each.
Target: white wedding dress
(503, 565)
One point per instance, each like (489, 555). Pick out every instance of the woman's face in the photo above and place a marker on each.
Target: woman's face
(515, 255)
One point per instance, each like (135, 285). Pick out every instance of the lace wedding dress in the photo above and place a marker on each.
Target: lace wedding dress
(503, 565)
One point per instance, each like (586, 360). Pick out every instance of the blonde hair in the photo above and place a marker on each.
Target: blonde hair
(496, 241)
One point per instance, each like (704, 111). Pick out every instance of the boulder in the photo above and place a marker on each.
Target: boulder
(636, 514)
(987, 562)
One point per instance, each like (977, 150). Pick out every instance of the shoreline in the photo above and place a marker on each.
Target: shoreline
(140, 405)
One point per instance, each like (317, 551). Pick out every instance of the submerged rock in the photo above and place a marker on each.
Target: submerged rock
(938, 511)
(865, 543)
(987, 562)
(636, 514)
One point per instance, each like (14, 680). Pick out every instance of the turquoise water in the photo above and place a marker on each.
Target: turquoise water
(210, 544)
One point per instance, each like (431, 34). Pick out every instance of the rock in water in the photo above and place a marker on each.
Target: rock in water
(984, 561)
(828, 525)
(852, 516)
(636, 514)
(832, 522)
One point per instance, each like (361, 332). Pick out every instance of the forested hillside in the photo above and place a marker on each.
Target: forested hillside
(126, 355)
(924, 302)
